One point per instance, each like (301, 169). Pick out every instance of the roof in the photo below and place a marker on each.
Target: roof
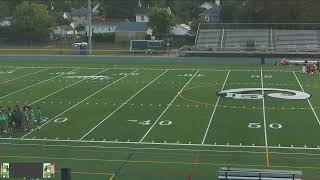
(101, 20)
(133, 26)
(142, 10)
(207, 4)
(213, 11)
(81, 12)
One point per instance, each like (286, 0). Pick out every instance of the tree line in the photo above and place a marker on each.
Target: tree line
(32, 20)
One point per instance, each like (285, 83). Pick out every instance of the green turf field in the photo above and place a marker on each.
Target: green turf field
(154, 120)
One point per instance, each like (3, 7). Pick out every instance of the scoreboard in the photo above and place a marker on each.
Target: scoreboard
(27, 170)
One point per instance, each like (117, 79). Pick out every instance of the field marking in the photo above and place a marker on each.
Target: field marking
(158, 149)
(175, 97)
(113, 175)
(214, 109)
(65, 88)
(156, 162)
(35, 84)
(164, 144)
(122, 105)
(80, 102)
(264, 120)
(160, 69)
(23, 75)
(315, 114)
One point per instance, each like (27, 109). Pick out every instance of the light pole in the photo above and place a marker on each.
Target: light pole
(89, 27)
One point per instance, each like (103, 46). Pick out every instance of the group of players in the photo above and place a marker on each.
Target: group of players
(311, 68)
(19, 117)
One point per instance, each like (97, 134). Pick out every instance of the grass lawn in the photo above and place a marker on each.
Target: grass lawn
(154, 119)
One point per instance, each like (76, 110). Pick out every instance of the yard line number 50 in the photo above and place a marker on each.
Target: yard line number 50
(258, 125)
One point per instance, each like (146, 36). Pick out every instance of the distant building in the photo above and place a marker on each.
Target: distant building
(211, 11)
(5, 22)
(181, 30)
(63, 31)
(79, 16)
(102, 25)
(141, 14)
(127, 31)
(207, 5)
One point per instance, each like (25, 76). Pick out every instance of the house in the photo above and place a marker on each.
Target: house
(181, 30)
(6, 22)
(79, 16)
(141, 14)
(127, 31)
(211, 11)
(207, 5)
(102, 25)
(64, 31)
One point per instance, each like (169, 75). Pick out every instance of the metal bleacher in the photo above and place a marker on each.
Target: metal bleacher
(238, 38)
(226, 173)
(296, 40)
(209, 38)
(266, 38)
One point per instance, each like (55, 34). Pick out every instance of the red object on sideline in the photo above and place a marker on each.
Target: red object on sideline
(189, 175)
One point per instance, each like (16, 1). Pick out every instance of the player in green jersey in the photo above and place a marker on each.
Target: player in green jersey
(10, 121)
(38, 116)
(31, 118)
(24, 118)
(3, 122)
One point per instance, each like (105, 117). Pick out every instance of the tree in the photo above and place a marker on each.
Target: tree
(119, 8)
(4, 10)
(161, 21)
(195, 23)
(32, 22)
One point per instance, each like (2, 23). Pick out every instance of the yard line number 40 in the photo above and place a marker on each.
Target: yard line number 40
(258, 125)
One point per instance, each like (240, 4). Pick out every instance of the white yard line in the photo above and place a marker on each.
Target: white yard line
(314, 112)
(168, 106)
(24, 75)
(156, 149)
(80, 102)
(264, 121)
(214, 109)
(35, 84)
(163, 69)
(264, 112)
(164, 144)
(122, 105)
(65, 88)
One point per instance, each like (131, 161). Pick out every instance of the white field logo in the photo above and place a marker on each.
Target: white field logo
(89, 77)
(255, 93)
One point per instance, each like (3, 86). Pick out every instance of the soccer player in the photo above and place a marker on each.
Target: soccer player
(31, 117)
(17, 117)
(38, 116)
(3, 122)
(24, 118)
(318, 66)
(9, 118)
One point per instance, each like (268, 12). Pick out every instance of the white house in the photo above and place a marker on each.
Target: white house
(5, 22)
(211, 11)
(141, 14)
(63, 31)
(105, 25)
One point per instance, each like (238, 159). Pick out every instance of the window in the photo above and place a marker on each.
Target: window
(142, 18)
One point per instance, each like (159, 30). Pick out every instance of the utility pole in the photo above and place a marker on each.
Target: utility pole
(89, 27)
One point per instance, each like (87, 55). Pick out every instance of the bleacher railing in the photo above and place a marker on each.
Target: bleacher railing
(292, 26)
